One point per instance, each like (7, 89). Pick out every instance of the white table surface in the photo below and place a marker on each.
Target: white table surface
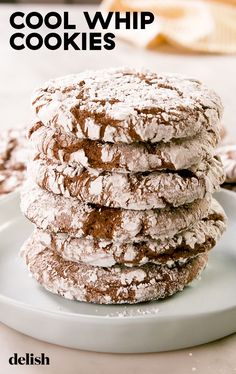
(20, 72)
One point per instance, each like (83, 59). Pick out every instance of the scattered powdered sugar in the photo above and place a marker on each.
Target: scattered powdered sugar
(135, 312)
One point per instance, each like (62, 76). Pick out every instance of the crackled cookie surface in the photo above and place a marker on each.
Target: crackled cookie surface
(129, 191)
(117, 284)
(124, 105)
(177, 154)
(199, 238)
(59, 214)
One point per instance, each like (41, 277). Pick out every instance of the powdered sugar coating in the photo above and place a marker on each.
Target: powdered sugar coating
(136, 157)
(124, 105)
(128, 191)
(118, 284)
(199, 238)
(58, 214)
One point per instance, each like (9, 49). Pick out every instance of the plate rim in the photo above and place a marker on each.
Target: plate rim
(18, 304)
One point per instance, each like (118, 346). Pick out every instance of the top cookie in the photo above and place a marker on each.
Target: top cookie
(124, 105)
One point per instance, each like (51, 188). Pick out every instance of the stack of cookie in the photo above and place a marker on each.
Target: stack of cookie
(120, 185)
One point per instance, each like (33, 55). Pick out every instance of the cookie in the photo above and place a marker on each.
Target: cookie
(227, 154)
(59, 214)
(13, 158)
(10, 181)
(125, 105)
(199, 238)
(114, 285)
(123, 158)
(128, 191)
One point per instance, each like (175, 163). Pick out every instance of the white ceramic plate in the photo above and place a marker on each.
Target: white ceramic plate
(203, 312)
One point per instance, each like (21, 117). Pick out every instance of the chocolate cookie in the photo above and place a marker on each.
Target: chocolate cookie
(178, 154)
(13, 158)
(59, 214)
(117, 284)
(199, 238)
(124, 105)
(129, 191)
(227, 154)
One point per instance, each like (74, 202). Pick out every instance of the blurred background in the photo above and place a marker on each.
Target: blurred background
(82, 1)
(53, 1)
(191, 37)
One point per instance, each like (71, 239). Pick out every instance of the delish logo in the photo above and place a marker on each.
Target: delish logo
(29, 359)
